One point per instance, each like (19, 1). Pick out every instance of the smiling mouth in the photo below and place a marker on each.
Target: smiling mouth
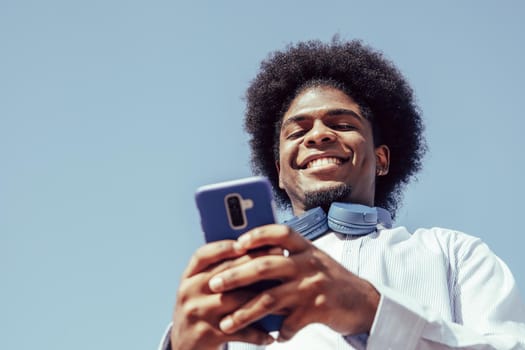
(321, 162)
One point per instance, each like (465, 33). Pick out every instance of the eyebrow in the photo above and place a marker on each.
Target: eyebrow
(331, 113)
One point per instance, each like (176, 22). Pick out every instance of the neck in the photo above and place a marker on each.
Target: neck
(300, 208)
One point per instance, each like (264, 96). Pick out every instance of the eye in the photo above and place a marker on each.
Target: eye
(295, 131)
(343, 127)
(295, 134)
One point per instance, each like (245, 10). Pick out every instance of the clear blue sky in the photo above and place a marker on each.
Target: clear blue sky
(113, 112)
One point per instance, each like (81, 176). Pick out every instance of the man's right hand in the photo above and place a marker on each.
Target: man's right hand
(198, 310)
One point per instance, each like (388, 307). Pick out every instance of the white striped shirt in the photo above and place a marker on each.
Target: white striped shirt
(440, 289)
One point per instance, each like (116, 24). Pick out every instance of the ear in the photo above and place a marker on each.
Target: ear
(278, 167)
(382, 160)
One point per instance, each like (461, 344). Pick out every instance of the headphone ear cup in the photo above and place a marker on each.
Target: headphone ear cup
(353, 219)
(338, 227)
(311, 224)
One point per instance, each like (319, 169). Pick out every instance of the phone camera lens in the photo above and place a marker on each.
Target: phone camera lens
(235, 211)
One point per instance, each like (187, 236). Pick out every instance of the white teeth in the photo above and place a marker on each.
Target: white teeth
(323, 161)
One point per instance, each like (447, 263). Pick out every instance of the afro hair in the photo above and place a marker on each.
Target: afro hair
(362, 73)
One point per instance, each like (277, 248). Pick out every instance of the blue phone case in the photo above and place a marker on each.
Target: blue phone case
(251, 198)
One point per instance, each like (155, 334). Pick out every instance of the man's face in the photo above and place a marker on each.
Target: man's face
(325, 144)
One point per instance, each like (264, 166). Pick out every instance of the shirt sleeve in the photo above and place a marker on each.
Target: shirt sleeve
(489, 312)
(165, 343)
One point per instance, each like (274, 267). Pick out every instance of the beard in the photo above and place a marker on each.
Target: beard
(325, 197)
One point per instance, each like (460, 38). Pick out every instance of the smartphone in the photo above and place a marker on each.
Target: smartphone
(228, 209)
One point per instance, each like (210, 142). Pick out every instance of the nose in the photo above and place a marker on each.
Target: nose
(319, 134)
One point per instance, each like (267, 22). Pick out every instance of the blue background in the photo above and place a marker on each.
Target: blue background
(113, 112)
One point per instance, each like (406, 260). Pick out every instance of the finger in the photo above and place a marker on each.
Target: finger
(266, 250)
(214, 306)
(277, 300)
(307, 292)
(246, 316)
(272, 267)
(203, 334)
(266, 268)
(226, 264)
(209, 254)
(198, 284)
(216, 252)
(293, 324)
(272, 235)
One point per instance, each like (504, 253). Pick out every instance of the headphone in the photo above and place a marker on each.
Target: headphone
(346, 218)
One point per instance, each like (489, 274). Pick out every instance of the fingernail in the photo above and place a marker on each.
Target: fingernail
(244, 240)
(226, 324)
(216, 284)
(237, 246)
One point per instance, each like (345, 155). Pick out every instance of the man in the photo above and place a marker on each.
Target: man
(337, 123)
